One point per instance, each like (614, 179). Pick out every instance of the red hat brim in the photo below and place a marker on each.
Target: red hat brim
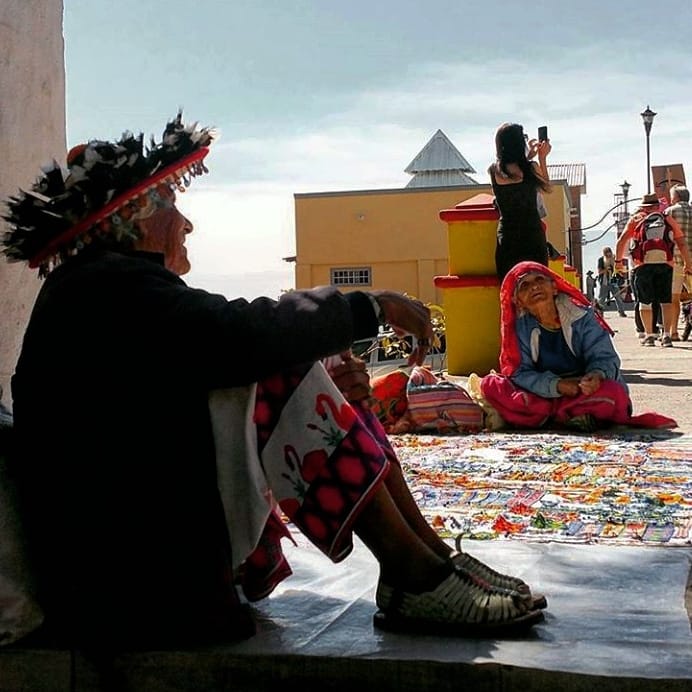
(172, 173)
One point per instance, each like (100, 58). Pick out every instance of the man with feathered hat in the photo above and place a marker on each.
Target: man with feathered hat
(164, 431)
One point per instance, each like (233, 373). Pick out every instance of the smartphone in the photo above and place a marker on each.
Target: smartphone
(543, 133)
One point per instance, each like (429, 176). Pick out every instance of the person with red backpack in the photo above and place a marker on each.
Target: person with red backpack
(651, 237)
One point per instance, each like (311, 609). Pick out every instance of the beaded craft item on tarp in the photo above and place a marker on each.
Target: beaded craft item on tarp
(629, 488)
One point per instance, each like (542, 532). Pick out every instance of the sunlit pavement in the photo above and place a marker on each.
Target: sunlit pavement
(616, 618)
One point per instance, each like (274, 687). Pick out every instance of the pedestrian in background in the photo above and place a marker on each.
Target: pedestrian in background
(607, 280)
(590, 286)
(681, 210)
(653, 271)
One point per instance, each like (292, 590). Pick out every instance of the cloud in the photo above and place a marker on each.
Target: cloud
(239, 228)
(367, 141)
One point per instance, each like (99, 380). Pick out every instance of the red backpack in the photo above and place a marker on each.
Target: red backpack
(652, 239)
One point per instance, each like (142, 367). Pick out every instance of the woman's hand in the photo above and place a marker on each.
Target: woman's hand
(407, 316)
(351, 377)
(532, 148)
(543, 148)
(590, 382)
(568, 386)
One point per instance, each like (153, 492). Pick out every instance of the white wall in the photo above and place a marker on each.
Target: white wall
(32, 131)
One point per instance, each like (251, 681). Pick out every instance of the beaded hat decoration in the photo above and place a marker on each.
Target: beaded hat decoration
(106, 189)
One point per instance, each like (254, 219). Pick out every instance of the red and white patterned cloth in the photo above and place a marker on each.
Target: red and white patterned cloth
(294, 442)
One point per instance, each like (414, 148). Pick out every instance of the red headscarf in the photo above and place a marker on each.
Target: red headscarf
(510, 356)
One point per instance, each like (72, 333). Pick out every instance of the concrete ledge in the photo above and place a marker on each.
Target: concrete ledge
(220, 670)
(35, 670)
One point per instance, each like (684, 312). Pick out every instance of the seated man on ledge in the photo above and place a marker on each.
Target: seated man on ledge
(160, 428)
(557, 359)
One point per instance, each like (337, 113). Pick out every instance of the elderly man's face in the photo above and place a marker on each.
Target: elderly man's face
(165, 231)
(533, 290)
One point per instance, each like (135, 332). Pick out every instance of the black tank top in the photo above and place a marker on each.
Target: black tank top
(520, 234)
(518, 207)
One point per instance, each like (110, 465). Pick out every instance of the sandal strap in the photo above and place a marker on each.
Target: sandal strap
(471, 564)
(458, 599)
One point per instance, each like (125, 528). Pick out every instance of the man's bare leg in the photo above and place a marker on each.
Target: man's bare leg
(405, 560)
(399, 490)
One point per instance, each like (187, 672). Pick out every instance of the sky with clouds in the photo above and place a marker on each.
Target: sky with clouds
(326, 95)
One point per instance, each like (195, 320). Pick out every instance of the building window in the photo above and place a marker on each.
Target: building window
(358, 276)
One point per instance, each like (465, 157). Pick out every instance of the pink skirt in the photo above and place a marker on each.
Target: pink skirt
(520, 408)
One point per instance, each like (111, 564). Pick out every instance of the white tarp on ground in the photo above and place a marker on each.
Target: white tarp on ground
(612, 611)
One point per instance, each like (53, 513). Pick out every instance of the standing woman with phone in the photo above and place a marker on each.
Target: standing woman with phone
(517, 182)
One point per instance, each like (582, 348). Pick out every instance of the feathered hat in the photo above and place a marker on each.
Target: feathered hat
(106, 189)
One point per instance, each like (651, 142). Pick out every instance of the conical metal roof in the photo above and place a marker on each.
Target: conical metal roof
(439, 154)
(441, 179)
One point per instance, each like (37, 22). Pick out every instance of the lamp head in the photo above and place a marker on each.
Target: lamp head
(648, 118)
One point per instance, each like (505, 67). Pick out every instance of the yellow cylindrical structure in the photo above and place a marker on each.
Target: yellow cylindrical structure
(472, 233)
(471, 291)
(472, 247)
(571, 275)
(558, 265)
(472, 323)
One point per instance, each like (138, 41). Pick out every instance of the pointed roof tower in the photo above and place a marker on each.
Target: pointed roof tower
(439, 164)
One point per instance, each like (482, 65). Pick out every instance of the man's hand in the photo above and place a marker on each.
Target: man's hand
(407, 316)
(351, 377)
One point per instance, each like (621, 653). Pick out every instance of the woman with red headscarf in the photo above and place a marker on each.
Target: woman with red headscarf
(557, 359)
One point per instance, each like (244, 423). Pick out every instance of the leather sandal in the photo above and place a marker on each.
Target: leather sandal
(459, 606)
(466, 561)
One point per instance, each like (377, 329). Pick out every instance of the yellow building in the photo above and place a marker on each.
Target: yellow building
(375, 238)
(394, 238)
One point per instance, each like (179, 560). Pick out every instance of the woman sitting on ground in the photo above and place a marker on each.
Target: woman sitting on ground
(557, 359)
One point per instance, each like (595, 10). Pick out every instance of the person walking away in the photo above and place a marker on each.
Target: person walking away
(651, 237)
(607, 281)
(681, 210)
(590, 286)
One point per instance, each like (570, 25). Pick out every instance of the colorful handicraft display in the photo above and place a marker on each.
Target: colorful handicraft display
(628, 488)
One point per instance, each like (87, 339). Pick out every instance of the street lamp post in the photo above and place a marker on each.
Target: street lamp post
(648, 118)
(624, 216)
(621, 215)
(625, 190)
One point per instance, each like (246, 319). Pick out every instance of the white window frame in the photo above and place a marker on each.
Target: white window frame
(351, 276)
